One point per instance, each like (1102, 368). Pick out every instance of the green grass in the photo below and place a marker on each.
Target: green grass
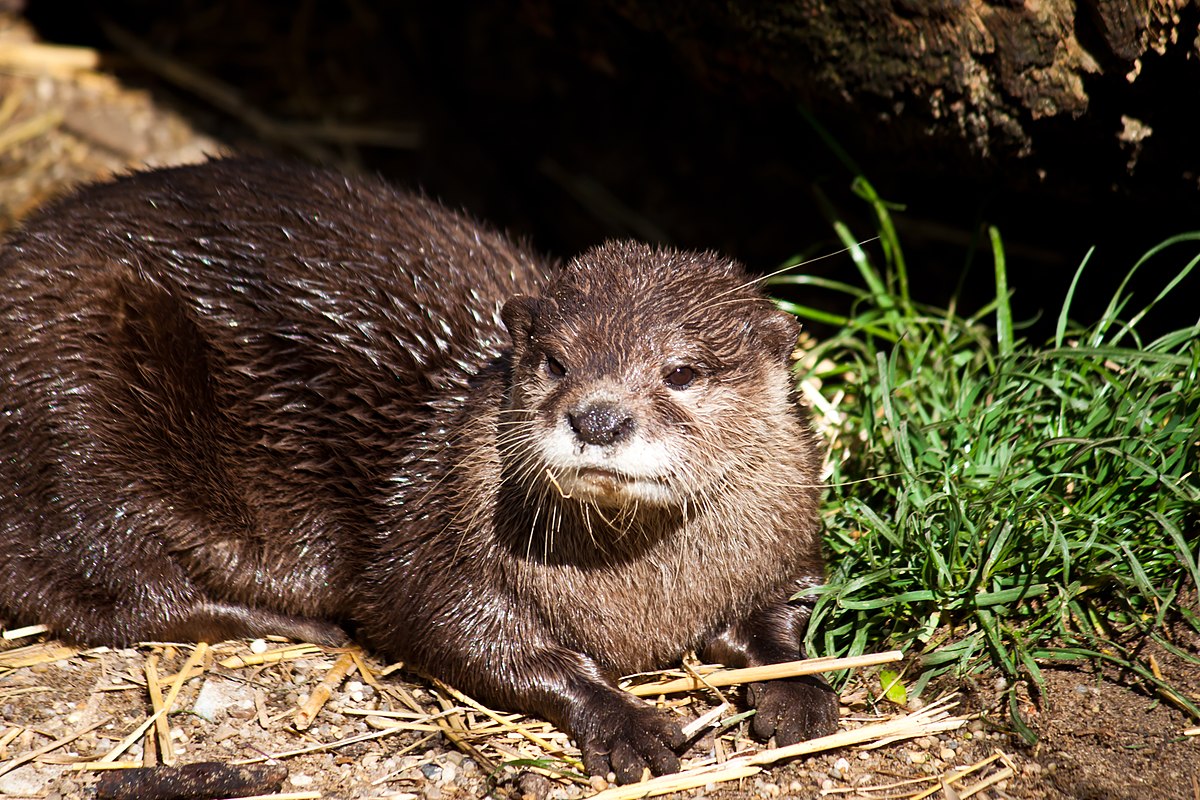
(999, 503)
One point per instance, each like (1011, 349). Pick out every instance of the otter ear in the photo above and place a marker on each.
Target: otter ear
(518, 315)
(779, 331)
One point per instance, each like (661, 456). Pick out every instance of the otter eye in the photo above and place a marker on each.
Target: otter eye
(554, 368)
(680, 377)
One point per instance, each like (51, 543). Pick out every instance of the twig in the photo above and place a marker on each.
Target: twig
(728, 677)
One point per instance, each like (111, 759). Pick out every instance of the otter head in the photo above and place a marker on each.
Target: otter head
(643, 377)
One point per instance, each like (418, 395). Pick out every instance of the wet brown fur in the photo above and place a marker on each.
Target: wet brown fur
(247, 398)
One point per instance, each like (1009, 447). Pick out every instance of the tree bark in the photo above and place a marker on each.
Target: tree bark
(970, 72)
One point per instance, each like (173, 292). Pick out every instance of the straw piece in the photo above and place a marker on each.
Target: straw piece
(364, 671)
(28, 630)
(128, 741)
(28, 129)
(34, 654)
(934, 718)
(319, 748)
(495, 717)
(7, 738)
(271, 656)
(990, 780)
(323, 691)
(789, 669)
(57, 743)
(168, 680)
(455, 728)
(47, 57)
(162, 726)
(709, 719)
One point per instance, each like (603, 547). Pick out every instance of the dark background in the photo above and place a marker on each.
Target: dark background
(568, 124)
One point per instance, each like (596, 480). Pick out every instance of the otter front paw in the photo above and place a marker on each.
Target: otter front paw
(793, 710)
(626, 738)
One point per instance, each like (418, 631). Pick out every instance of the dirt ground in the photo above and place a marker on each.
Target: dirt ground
(378, 736)
(389, 735)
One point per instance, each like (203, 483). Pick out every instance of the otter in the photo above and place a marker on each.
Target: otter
(245, 398)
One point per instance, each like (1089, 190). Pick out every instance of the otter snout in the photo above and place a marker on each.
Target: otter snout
(601, 423)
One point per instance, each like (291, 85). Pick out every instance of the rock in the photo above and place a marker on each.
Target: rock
(27, 781)
(217, 695)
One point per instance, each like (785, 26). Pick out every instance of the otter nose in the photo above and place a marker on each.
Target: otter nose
(601, 423)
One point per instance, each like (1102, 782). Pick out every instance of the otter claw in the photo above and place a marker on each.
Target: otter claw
(629, 740)
(793, 710)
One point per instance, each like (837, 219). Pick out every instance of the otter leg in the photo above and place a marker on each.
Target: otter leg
(101, 586)
(514, 663)
(614, 730)
(793, 709)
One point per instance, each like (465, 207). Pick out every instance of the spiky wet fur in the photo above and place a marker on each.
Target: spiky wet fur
(245, 398)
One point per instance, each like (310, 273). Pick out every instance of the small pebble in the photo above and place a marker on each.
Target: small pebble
(223, 732)
(258, 646)
(946, 754)
(917, 758)
(242, 710)
(300, 779)
(431, 771)
(767, 789)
